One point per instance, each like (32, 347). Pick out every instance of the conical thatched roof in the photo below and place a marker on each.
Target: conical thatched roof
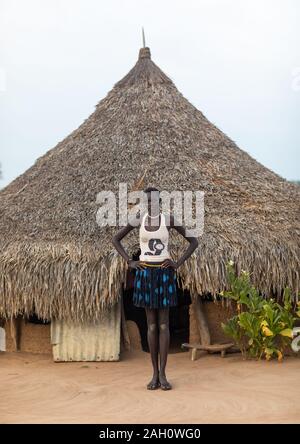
(57, 261)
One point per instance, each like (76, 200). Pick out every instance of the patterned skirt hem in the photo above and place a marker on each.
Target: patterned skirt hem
(155, 288)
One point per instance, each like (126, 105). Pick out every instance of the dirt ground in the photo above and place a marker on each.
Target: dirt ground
(34, 389)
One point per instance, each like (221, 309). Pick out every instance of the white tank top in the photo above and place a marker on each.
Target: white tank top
(154, 244)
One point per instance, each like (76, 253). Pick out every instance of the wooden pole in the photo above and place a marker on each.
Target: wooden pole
(144, 40)
(16, 331)
(201, 322)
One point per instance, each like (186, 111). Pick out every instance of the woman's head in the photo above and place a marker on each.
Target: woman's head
(153, 199)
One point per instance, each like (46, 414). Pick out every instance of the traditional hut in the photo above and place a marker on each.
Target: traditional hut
(58, 268)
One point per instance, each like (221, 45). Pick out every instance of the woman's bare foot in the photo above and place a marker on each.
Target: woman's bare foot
(164, 383)
(154, 383)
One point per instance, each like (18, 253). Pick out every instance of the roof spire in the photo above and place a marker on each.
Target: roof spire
(144, 51)
(144, 40)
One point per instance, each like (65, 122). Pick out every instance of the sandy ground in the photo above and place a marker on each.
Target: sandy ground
(34, 389)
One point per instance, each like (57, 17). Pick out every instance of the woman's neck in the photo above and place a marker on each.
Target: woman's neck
(153, 211)
(153, 216)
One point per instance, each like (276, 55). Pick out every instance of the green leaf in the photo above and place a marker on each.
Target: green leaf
(287, 332)
(267, 331)
(269, 351)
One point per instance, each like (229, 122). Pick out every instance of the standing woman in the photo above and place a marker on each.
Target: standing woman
(155, 280)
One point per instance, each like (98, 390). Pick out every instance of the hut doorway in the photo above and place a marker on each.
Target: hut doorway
(136, 317)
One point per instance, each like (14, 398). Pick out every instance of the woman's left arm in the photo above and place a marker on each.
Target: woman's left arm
(193, 244)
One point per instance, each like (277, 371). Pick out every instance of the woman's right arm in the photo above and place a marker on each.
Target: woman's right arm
(116, 240)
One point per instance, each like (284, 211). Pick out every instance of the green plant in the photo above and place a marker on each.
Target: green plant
(261, 328)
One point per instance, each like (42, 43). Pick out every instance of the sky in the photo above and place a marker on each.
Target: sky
(237, 61)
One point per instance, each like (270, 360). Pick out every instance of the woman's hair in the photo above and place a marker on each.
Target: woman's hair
(149, 189)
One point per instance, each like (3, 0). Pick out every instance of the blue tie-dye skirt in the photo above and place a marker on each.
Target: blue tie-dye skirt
(155, 287)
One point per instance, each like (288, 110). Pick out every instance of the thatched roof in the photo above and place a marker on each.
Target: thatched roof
(57, 261)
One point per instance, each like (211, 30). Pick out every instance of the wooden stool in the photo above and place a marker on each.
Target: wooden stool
(214, 348)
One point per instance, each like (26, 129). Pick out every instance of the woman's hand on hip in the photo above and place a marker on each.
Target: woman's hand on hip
(137, 265)
(168, 263)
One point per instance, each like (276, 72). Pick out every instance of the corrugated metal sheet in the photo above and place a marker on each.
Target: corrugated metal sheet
(88, 342)
(2, 339)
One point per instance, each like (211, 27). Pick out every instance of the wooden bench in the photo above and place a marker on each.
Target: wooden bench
(204, 334)
(212, 348)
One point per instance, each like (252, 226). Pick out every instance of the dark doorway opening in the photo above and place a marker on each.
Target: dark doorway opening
(34, 319)
(179, 320)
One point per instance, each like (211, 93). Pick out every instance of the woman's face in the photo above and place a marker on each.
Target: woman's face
(153, 202)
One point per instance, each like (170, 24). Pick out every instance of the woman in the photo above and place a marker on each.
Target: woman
(155, 280)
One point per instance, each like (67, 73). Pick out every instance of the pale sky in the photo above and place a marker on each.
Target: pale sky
(237, 61)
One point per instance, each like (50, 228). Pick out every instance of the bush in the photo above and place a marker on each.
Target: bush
(261, 328)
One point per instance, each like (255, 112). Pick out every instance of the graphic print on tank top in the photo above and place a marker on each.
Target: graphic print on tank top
(155, 246)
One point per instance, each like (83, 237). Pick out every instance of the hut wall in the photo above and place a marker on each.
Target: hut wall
(34, 338)
(88, 341)
(215, 314)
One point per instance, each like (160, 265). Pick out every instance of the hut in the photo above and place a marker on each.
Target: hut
(62, 284)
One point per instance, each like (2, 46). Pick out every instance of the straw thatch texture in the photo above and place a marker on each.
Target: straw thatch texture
(57, 261)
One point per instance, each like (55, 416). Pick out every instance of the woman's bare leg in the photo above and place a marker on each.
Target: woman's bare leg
(164, 342)
(152, 336)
